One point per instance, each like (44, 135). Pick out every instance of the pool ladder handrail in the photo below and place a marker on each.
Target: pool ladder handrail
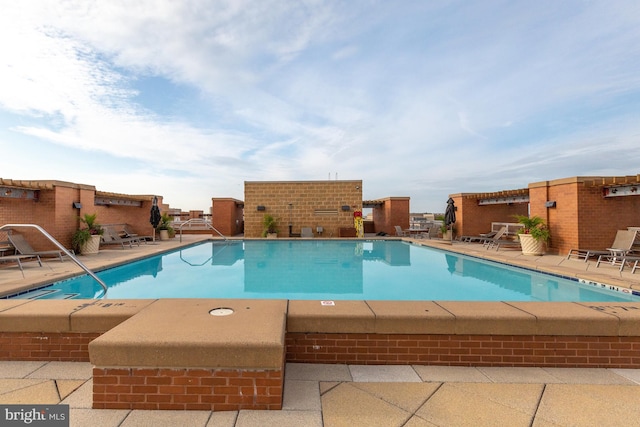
(63, 249)
(199, 221)
(213, 254)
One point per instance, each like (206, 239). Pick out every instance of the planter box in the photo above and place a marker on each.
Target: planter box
(92, 246)
(531, 246)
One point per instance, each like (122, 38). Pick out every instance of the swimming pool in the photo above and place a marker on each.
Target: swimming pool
(324, 270)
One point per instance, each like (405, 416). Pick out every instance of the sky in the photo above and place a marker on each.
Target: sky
(189, 99)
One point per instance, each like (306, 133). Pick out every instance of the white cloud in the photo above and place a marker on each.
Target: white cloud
(416, 99)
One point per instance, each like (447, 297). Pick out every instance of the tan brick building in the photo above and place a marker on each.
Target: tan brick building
(325, 206)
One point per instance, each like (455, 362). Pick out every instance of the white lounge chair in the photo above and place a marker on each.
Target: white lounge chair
(492, 241)
(306, 232)
(622, 245)
(621, 249)
(478, 239)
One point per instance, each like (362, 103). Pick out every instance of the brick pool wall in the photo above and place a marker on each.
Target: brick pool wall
(46, 346)
(465, 350)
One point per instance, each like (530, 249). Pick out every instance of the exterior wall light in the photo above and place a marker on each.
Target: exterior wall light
(261, 208)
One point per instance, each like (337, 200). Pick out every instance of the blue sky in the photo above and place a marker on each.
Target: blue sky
(188, 99)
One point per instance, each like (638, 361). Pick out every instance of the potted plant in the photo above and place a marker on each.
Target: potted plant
(86, 240)
(533, 235)
(447, 234)
(165, 228)
(269, 226)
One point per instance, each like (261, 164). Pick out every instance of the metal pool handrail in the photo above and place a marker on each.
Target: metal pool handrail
(62, 248)
(202, 222)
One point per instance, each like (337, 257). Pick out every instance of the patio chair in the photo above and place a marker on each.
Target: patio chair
(400, 232)
(306, 232)
(426, 232)
(622, 244)
(24, 248)
(110, 237)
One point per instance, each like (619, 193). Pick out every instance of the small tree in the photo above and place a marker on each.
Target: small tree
(269, 225)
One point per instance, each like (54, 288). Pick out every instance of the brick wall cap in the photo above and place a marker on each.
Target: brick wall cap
(182, 333)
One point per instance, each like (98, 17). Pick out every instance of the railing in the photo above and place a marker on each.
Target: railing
(63, 249)
(512, 227)
(213, 255)
(198, 221)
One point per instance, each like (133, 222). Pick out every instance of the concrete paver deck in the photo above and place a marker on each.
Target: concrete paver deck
(340, 395)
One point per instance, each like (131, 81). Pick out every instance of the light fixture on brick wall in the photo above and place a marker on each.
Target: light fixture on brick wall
(77, 205)
(262, 208)
(550, 204)
(345, 207)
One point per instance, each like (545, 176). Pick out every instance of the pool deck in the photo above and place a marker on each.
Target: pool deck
(343, 394)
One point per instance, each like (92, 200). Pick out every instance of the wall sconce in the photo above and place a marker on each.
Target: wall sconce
(77, 205)
(345, 207)
(550, 204)
(261, 208)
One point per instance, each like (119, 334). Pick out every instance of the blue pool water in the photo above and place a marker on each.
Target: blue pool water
(325, 270)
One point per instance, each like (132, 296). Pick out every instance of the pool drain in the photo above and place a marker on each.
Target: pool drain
(221, 311)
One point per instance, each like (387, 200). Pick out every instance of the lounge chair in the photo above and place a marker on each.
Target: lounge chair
(24, 248)
(400, 232)
(497, 242)
(622, 244)
(306, 232)
(126, 233)
(631, 261)
(490, 241)
(111, 238)
(622, 250)
(19, 258)
(504, 243)
(478, 239)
